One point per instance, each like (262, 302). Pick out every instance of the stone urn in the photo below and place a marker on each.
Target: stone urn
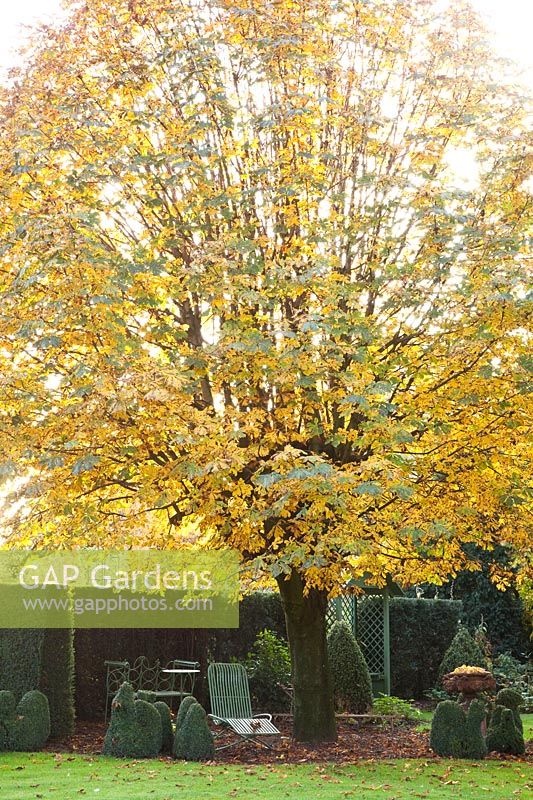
(469, 681)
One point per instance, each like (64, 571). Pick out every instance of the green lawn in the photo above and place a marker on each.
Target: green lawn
(527, 719)
(64, 777)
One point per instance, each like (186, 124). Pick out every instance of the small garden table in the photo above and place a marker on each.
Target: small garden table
(187, 675)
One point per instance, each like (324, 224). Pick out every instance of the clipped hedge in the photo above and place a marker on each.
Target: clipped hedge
(502, 612)
(94, 646)
(41, 659)
(20, 660)
(57, 680)
(258, 611)
(421, 631)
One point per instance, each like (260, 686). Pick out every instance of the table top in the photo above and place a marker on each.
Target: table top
(180, 671)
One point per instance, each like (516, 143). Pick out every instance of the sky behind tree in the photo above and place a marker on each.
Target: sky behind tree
(511, 22)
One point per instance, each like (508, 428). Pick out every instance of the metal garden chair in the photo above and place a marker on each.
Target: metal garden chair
(231, 706)
(117, 673)
(176, 680)
(144, 675)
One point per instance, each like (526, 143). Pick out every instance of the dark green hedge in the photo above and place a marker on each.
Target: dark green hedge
(20, 660)
(57, 680)
(503, 614)
(41, 659)
(258, 611)
(93, 647)
(421, 631)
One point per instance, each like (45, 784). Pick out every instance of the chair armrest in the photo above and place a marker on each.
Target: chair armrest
(116, 663)
(216, 720)
(263, 716)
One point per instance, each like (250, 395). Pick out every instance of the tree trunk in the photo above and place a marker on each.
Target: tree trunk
(314, 711)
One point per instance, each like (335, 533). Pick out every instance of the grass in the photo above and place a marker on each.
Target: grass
(63, 777)
(527, 719)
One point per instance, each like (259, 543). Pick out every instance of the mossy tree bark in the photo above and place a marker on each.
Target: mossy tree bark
(305, 615)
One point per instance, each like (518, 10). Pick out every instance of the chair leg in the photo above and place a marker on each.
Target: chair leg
(241, 739)
(261, 742)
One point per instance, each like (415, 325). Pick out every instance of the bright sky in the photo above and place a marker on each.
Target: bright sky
(511, 20)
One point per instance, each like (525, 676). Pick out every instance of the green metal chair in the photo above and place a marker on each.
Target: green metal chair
(231, 706)
(170, 685)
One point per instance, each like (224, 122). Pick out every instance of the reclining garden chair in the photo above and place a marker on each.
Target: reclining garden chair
(231, 706)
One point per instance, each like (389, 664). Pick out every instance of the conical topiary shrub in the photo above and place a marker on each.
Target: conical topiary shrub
(509, 698)
(178, 748)
(448, 730)
(135, 729)
(351, 679)
(166, 726)
(166, 719)
(462, 650)
(194, 741)
(474, 743)
(185, 704)
(503, 735)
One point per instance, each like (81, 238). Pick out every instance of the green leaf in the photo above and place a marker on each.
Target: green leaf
(370, 487)
(84, 464)
(380, 387)
(267, 479)
(403, 491)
